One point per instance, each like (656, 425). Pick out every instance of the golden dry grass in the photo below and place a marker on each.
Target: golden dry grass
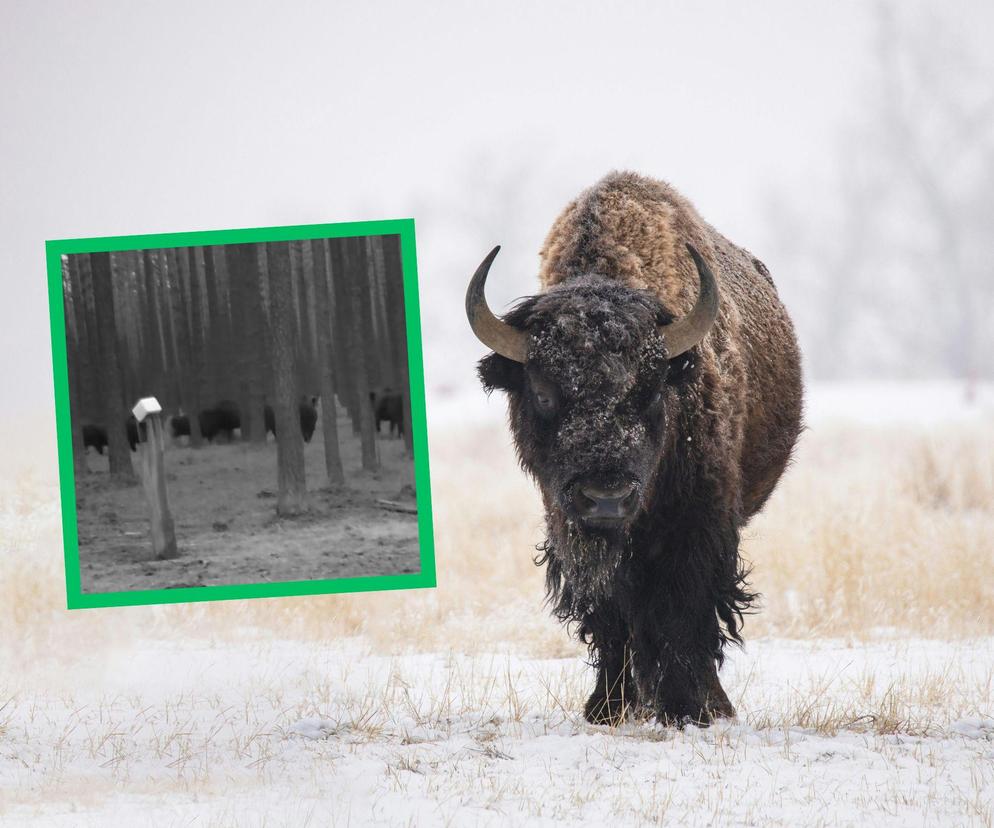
(871, 531)
(880, 528)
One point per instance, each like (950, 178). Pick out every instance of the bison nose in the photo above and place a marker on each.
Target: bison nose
(606, 503)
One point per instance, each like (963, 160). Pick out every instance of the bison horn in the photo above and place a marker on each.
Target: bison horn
(685, 333)
(506, 340)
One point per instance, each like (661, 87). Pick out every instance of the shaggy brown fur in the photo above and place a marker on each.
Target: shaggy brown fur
(634, 229)
(695, 443)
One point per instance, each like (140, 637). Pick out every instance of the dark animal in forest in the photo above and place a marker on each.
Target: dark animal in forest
(654, 392)
(179, 426)
(388, 407)
(133, 429)
(223, 418)
(308, 418)
(96, 436)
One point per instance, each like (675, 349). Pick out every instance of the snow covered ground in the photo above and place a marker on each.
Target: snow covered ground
(193, 733)
(865, 693)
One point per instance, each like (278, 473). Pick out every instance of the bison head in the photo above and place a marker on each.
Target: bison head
(592, 368)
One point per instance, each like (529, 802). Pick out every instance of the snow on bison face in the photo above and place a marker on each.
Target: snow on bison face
(590, 368)
(589, 404)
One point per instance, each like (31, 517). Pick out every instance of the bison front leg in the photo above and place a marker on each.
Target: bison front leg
(678, 690)
(614, 696)
(695, 585)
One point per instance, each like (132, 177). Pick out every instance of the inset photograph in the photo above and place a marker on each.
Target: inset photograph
(240, 419)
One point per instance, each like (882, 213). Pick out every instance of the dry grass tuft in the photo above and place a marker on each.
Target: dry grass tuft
(874, 529)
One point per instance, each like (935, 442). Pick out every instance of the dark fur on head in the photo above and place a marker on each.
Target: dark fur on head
(598, 361)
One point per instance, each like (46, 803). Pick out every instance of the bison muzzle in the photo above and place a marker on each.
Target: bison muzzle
(654, 392)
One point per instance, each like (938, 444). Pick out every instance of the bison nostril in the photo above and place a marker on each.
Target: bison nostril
(610, 502)
(585, 503)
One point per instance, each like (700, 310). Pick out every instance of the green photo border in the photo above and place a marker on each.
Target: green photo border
(54, 250)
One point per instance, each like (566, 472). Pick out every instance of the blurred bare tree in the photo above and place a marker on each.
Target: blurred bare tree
(509, 199)
(898, 273)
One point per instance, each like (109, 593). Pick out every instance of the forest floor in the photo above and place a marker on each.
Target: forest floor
(223, 501)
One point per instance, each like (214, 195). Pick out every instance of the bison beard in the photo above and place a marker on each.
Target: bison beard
(633, 419)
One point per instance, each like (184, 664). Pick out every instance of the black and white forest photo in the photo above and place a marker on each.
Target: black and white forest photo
(281, 372)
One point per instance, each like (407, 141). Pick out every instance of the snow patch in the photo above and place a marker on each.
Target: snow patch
(313, 728)
(974, 728)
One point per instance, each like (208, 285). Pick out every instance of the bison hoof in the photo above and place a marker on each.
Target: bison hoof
(701, 717)
(601, 710)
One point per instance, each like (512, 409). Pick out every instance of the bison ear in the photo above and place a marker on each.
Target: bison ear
(684, 368)
(500, 373)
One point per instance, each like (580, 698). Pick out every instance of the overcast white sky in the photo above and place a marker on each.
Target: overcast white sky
(137, 117)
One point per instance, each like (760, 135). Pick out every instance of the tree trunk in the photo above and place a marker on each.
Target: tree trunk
(310, 311)
(198, 349)
(148, 363)
(81, 364)
(261, 380)
(155, 340)
(394, 274)
(127, 344)
(115, 409)
(171, 325)
(182, 372)
(360, 345)
(342, 329)
(291, 481)
(93, 396)
(244, 287)
(74, 348)
(222, 348)
(326, 367)
(309, 337)
(389, 370)
(265, 358)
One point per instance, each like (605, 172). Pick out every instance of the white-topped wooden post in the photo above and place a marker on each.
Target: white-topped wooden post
(151, 451)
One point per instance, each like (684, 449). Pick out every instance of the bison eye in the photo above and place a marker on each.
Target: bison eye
(653, 402)
(544, 402)
(546, 399)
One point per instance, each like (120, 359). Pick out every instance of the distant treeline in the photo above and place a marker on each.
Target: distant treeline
(259, 324)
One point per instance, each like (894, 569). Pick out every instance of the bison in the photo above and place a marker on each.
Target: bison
(388, 407)
(96, 436)
(224, 418)
(179, 426)
(137, 432)
(654, 393)
(308, 418)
